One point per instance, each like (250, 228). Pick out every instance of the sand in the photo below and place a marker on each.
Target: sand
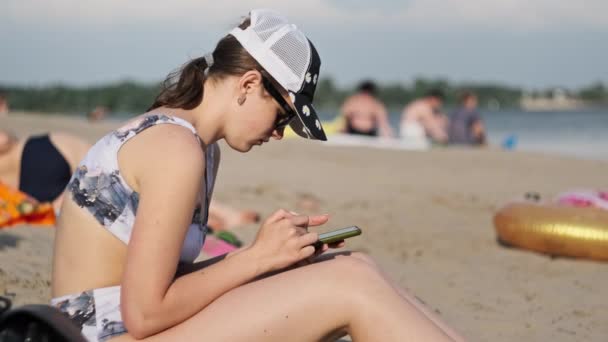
(426, 217)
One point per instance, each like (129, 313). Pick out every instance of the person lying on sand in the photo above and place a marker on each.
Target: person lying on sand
(225, 217)
(41, 165)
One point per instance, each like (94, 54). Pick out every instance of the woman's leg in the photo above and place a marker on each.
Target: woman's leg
(224, 217)
(404, 294)
(309, 303)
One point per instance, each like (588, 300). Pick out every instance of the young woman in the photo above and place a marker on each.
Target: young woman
(138, 203)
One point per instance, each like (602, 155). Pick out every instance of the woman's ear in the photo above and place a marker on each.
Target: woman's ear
(250, 82)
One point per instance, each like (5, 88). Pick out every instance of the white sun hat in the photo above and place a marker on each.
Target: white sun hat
(291, 59)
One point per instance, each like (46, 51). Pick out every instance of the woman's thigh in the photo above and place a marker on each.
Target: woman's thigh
(302, 304)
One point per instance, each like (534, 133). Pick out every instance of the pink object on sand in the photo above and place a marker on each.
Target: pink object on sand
(576, 202)
(584, 198)
(216, 247)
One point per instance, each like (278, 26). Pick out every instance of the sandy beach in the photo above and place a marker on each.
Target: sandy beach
(426, 217)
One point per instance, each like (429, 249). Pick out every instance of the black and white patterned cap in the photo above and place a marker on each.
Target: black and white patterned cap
(291, 59)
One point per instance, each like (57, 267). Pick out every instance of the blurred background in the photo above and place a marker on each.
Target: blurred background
(536, 76)
(538, 67)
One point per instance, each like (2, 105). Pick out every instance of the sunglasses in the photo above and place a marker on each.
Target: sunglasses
(281, 120)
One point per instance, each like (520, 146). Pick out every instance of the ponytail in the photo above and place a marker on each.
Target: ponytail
(183, 88)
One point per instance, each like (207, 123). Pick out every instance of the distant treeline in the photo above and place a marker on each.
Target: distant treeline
(125, 97)
(596, 93)
(397, 95)
(133, 97)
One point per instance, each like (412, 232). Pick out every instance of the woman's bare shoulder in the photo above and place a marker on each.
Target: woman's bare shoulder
(162, 151)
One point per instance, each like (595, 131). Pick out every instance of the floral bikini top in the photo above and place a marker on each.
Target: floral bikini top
(98, 186)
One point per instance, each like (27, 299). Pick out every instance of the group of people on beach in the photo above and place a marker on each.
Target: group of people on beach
(423, 120)
(136, 210)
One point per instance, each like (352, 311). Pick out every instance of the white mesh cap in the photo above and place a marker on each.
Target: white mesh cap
(290, 58)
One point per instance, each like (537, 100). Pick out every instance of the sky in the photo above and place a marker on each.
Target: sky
(530, 43)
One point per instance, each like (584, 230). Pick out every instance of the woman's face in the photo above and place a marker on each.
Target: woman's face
(254, 121)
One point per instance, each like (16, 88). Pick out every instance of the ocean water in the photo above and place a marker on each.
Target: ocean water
(581, 134)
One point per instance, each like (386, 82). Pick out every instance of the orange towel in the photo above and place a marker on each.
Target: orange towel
(17, 207)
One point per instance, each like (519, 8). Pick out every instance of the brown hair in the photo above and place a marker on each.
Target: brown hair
(183, 88)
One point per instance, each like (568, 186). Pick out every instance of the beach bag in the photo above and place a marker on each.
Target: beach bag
(36, 323)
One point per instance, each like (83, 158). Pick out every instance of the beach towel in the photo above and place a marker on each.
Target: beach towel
(17, 207)
(216, 246)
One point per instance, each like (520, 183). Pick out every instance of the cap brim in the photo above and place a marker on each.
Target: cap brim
(307, 123)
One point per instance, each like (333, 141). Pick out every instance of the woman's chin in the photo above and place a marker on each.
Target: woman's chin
(239, 146)
(242, 145)
(245, 147)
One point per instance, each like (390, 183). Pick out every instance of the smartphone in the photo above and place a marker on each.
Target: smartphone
(337, 235)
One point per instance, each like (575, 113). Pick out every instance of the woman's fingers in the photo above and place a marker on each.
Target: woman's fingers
(317, 220)
(306, 252)
(337, 244)
(308, 239)
(297, 219)
(301, 231)
(279, 215)
(318, 251)
(309, 221)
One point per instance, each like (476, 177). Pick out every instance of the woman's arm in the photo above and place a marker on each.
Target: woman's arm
(345, 114)
(168, 178)
(385, 127)
(479, 132)
(436, 126)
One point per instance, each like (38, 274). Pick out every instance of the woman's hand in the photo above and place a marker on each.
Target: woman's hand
(284, 240)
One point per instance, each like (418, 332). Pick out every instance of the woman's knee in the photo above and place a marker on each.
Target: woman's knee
(358, 282)
(363, 257)
(355, 268)
(356, 256)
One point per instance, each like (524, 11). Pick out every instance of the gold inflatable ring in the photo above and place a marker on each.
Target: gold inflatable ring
(554, 229)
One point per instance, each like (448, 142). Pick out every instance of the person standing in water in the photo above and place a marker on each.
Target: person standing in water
(135, 217)
(364, 114)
